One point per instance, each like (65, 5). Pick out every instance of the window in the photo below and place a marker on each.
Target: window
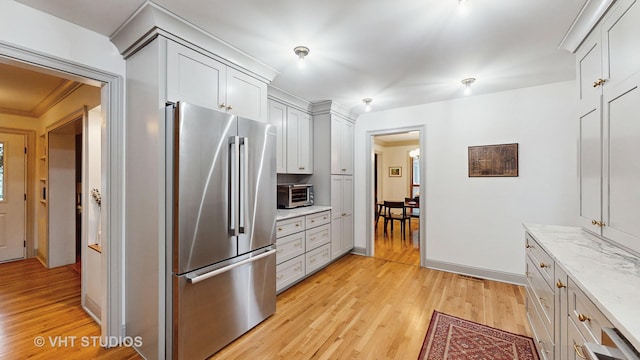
(415, 177)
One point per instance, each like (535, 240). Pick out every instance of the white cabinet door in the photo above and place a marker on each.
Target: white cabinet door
(346, 145)
(278, 118)
(336, 138)
(246, 96)
(299, 143)
(621, 128)
(342, 214)
(341, 146)
(590, 169)
(588, 71)
(195, 78)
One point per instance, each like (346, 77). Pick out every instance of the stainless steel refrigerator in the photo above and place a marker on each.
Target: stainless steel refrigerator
(222, 209)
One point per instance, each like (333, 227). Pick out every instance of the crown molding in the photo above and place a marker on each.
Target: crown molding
(588, 17)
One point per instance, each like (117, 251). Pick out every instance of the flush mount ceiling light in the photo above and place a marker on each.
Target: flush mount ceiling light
(367, 104)
(467, 85)
(301, 51)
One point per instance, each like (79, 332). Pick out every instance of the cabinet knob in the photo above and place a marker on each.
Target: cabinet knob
(223, 105)
(599, 82)
(301, 168)
(578, 351)
(528, 246)
(229, 107)
(543, 265)
(597, 223)
(344, 169)
(583, 317)
(279, 229)
(560, 285)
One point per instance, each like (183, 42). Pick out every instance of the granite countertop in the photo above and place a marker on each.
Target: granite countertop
(609, 275)
(282, 214)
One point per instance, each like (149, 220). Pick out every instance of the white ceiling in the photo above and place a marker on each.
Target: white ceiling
(400, 53)
(399, 139)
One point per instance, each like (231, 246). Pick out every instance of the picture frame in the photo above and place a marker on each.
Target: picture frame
(395, 171)
(493, 160)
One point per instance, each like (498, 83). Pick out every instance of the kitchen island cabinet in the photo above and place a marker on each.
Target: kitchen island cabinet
(578, 284)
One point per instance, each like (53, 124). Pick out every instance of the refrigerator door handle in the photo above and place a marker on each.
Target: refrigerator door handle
(194, 279)
(234, 191)
(244, 186)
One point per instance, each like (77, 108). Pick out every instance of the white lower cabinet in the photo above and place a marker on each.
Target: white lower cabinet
(303, 246)
(561, 315)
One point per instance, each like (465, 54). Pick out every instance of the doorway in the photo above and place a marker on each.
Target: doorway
(110, 88)
(12, 197)
(395, 174)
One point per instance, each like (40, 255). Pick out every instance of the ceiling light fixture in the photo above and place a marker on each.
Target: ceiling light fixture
(301, 51)
(367, 104)
(415, 153)
(467, 85)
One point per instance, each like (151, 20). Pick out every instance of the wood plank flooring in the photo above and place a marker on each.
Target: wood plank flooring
(35, 301)
(392, 247)
(369, 308)
(358, 307)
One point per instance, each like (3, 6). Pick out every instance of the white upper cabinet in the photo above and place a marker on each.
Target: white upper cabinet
(294, 138)
(204, 81)
(278, 118)
(299, 142)
(621, 128)
(341, 146)
(609, 62)
(194, 77)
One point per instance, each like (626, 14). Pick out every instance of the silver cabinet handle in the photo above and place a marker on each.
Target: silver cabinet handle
(196, 279)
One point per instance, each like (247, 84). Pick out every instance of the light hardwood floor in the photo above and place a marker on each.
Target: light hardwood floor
(392, 247)
(358, 307)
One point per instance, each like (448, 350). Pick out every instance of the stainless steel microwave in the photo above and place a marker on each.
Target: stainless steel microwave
(294, 195)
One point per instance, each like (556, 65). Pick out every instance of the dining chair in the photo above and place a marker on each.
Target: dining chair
(390, 216)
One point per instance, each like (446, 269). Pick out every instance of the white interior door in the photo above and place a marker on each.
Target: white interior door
(12, 197)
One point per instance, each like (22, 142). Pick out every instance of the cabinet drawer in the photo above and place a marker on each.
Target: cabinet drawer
(318, 219)
(317, 258)
(289, 272)
(318, 236)
(574, 342)
(540, 257)
(289, 247)
(588, 319)
(544, 341)
(290, 226)
(543, 294)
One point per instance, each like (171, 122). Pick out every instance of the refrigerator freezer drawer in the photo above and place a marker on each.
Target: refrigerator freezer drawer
(211, 313)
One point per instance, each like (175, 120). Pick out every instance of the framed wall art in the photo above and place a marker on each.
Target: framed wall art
(395, 171)
(493, 160)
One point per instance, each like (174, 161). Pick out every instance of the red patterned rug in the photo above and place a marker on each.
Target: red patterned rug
(452, 338)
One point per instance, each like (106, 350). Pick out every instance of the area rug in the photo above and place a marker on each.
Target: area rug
(452, 338)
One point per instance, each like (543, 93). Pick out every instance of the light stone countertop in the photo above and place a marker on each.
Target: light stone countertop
(283, 214)
(610, 276)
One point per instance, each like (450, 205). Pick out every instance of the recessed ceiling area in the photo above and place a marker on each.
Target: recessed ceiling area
(399, 139)
(400, 53)
(25, 92)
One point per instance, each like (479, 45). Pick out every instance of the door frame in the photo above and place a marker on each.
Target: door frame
(112, 100)
(29, 186)
(370, 200)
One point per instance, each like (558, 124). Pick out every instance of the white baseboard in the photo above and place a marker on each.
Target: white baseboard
(504, 277)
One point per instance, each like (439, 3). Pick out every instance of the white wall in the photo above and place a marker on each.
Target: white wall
(477, 222)
(92, 260)
(35, 30)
